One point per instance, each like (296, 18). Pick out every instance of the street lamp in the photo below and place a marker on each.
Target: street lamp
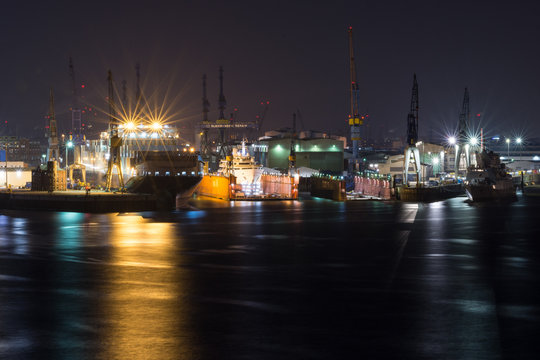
(518, 141)
(508, 148)
(69, 145)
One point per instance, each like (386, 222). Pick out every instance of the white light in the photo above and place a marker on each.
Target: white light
(452, 140)
(435, 161)
(518, 140)
(474, 141)
(508, 141)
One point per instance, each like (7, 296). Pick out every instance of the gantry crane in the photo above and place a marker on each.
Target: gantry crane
(412, 138)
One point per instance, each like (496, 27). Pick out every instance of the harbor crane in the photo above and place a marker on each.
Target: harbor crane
(115, 141)
(76, 116)
(462, 146)
(53, 152)
(292, 153)
(221, 124)
(412, 138)
(355, 121)
(205, 144)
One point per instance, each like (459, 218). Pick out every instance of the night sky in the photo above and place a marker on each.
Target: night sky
(294, 54)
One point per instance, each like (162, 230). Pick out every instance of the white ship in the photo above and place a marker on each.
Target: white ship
(242, 166)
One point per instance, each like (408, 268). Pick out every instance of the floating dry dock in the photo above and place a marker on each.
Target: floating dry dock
(78, 201)
(270, 187)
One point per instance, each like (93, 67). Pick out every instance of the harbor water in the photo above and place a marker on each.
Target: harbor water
(312, 279)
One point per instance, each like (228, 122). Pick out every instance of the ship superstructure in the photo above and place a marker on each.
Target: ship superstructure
(489, 179)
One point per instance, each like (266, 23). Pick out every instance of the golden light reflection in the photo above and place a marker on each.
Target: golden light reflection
(143, 304)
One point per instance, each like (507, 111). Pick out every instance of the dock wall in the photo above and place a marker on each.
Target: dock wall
(372, 187)
(271, 187)
(328, 188)
(215, 186)
(97, 203)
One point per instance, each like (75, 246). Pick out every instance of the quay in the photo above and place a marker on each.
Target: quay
(77, 201)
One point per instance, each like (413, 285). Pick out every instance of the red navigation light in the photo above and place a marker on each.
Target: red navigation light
(350, 27)
(235, 109)
(82, 124)
(82, 86)
(268, 102)
(478, 115)
(5, 122)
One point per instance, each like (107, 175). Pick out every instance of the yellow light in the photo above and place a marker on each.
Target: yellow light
(156, 126)
(191, 149)
(130, 125)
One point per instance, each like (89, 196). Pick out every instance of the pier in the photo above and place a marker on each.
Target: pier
(78, 201)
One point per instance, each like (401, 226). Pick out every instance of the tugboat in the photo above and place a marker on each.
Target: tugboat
(489, 180)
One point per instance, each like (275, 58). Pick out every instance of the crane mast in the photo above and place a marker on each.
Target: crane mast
(205, 143)
(462, 148)
(76, 117)
(354, 116)
(222, 120)
(53, 152)
(412, 118)
(115, 142)
(412, 139)
(292, 152)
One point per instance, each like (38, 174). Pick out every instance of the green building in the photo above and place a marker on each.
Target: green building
(319, 153)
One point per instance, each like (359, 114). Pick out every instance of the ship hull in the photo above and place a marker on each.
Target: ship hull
(171, 191)
(430, 194)
(532, 191)
(486, 192)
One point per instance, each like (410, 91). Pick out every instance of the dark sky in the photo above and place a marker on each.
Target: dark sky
(292, 53)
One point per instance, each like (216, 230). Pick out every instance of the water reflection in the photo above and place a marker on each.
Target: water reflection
(143, 290)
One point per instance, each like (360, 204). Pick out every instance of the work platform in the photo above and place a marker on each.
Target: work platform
(77, 201)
